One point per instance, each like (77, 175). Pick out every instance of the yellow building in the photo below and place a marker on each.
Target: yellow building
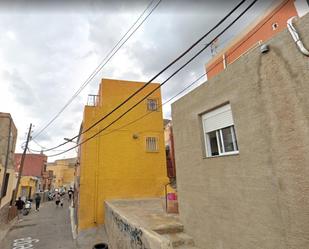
(9, 184)
(8, 135)
(127, 160)
(63, 172)
(27, 187)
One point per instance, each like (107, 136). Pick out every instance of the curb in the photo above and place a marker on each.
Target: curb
(73, 225)
(6, 230)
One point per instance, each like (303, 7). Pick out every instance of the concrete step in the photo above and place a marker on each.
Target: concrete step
(179, 239)
(169, 228)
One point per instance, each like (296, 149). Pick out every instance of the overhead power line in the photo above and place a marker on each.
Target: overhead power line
(103, 63)
(156, 88)
(245, 40)
(165, 102)
(148, 113)
(196, 80)
(158, 74)
(220, 61)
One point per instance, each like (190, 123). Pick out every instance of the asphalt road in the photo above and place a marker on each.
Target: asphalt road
(47, 229)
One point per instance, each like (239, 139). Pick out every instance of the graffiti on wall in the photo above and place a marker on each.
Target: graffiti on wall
(135, 234)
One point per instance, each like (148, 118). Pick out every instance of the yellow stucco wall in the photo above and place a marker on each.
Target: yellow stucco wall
(63, 171)
(11, 185)
(115, 164)
(28, 183)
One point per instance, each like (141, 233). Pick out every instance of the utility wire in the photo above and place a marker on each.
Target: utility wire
(159, 106)
(107, 58)
(196, 80)
(148, 113)
(158, 74)
(37, 143)
(253, 33)
(220, 61)
(156, 88)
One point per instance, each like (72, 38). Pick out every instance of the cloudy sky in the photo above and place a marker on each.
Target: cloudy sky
(48, 50)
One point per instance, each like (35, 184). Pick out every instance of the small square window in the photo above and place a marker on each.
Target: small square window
(219, 131)
(152, 104)
(221, 142)
(151, 144)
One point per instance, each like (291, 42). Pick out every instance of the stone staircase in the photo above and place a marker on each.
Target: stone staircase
(175, 234)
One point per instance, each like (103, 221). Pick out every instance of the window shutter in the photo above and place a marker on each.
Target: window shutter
(217, 119)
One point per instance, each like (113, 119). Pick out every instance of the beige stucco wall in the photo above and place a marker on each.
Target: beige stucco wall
(11, 185)
(258, 199)
(63, 172)
(4, 136)
(127, 231)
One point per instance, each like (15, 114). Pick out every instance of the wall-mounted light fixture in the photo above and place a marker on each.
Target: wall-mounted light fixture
(135, 136)
(264, 48)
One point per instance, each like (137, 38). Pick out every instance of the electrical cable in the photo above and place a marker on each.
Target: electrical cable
(159, 106)
(256, 29)
(162, 71)
(102, 64)
(156, 88)
(195, 81)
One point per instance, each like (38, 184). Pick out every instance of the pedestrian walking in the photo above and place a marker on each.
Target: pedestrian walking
(70, 192)
(37, 201)
(20, 206)
(61, 201)
(57, 199)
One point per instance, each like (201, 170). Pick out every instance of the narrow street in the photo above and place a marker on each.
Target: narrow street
(47, 229)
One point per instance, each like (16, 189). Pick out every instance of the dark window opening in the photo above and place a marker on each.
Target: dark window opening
(5, 185)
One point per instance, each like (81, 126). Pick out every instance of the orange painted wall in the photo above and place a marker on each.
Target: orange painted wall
(262, 31)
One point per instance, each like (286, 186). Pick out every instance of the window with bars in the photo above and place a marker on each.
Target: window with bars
(151, 144)
(152, 104)
(219, 132)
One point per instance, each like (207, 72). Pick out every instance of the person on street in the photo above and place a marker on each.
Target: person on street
(70, 192)
(61, 201)
(37, 201)
(20, 206)
(57, 199)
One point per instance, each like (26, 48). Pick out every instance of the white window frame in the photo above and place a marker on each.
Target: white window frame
(215, 121)
(220, 143)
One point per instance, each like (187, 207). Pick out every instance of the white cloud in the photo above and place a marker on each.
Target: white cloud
(49, 50)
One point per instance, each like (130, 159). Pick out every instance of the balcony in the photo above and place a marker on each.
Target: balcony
(93, 100)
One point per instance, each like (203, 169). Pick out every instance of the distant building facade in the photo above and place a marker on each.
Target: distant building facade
(62, 171)
(127, 160)
(267, 26)
(34, 166)
(241, 146)
(47, 180)
(8, 136)
(28, 186)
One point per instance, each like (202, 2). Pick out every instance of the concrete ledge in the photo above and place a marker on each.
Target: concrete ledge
(130, 224)
(73, 224)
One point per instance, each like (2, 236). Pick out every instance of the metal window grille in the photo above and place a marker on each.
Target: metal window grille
(93, 100)
(152, 104)
(152, 144)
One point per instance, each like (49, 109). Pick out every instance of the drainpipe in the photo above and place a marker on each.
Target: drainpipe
(295, 36)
